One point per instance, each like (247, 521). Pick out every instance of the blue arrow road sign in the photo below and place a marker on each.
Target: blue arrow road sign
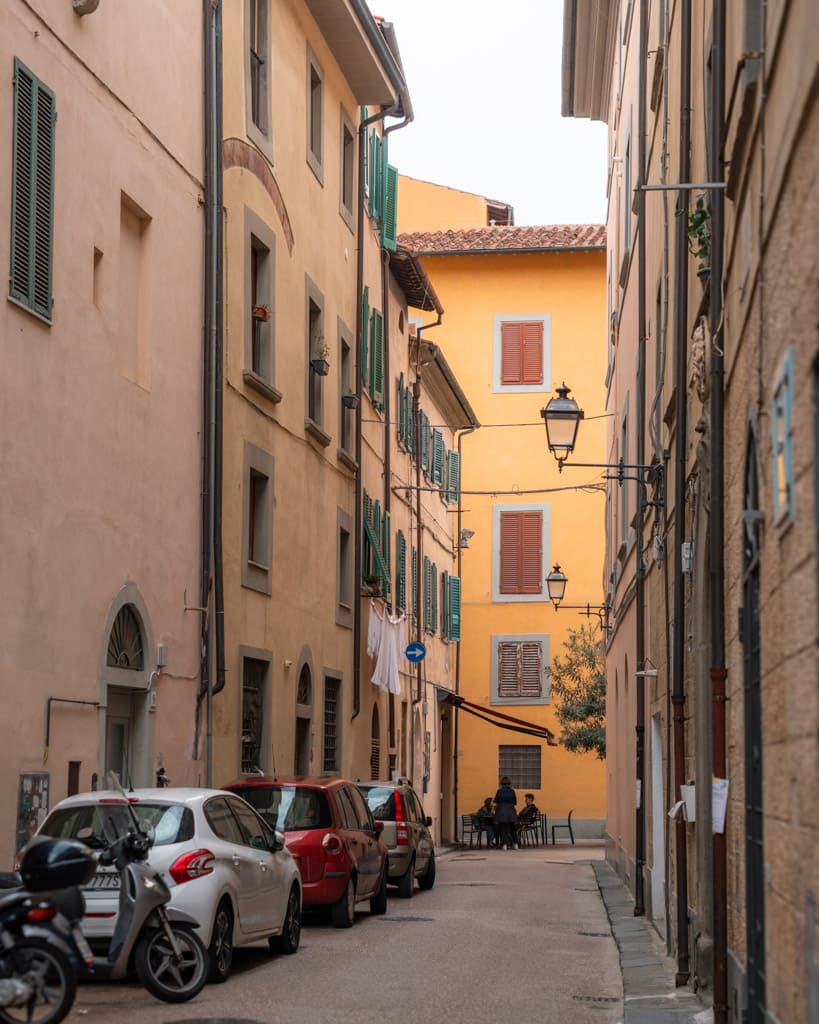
(415, 652)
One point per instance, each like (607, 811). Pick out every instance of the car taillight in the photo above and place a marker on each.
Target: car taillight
(399, 807)
(401, 830)
(44, 913)
(332, 844)
(195, 864)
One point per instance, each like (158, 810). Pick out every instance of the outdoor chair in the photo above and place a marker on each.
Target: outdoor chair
(470, 826)
(567, 825)
(535, 832)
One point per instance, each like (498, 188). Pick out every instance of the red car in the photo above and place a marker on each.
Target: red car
(332, 835)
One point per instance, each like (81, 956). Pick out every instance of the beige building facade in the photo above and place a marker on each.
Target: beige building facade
(713, 367)
(101, 341)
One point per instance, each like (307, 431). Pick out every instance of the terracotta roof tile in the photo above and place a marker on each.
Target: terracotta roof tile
(506, 239)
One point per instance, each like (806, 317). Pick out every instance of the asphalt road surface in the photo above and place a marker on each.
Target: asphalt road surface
(504, 936)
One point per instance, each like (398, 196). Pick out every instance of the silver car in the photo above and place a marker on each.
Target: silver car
(224, 865)
(406, 834)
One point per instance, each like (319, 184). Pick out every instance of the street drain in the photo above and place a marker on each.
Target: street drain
(596, 935)
(384, 920)
(606, 1000)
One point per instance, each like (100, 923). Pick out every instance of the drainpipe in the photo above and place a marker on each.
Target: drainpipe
(456, 730)
(640, 815)
(717, 482)
(681, 353)
(212, 625)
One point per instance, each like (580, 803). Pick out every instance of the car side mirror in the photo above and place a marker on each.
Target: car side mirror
(379, 827)
(277, 842)
(428, 821)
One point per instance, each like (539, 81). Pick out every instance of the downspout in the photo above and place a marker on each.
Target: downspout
(717, 486)
(640, 816)
(213, 624)
(681, 353)
(359, 391)
(456, 731)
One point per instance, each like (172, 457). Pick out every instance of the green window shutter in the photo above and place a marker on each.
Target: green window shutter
(453, 478)
(445, 605)
(389, 234)
(386, 551)
(365, 327)
(402, 412)
(366, 552)
(414, 570)
(373, 135)
(454, 608)
(400, 572)
(433, 593)
(376, 177)
(32, 192)
(410, 418)
(438, 457)
(424, 441)
(377, 360)
(427, 598)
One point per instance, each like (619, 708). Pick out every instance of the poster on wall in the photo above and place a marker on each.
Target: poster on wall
(32, 805)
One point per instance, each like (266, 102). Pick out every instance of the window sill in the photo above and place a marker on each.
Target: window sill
(314, 430)
(31, 312)
(253, 380)
(346, 459)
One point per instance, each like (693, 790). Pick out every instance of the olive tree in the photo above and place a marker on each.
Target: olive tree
(578, 681)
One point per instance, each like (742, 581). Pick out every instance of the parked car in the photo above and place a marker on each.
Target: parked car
(224, 866)
(331, 833)
(406, 834)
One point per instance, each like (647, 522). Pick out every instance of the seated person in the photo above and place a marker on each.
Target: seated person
(485, 816)
(528, 813)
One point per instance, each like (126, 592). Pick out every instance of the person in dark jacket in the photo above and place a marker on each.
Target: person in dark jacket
(485, 817)
(506, 817)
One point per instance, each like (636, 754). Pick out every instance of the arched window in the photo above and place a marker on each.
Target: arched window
(125, 641)
(304, 693)
(375, 746)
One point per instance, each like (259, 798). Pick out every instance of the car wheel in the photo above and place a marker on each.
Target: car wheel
(378, 903)
(221, 943)
(427, 880)
(288, 941)
(342, 914)
(406, 883)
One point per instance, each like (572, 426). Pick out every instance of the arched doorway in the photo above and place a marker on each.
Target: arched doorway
(752, 685)
(304, 717)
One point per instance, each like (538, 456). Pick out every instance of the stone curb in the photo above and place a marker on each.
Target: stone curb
(650, 995)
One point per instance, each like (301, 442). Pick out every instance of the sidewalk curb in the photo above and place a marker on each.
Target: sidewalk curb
(650, 995)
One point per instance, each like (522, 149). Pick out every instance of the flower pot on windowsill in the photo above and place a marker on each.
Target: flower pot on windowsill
(320, 367)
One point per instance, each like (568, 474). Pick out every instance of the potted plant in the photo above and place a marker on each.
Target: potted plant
(320, 362)
(699, 236)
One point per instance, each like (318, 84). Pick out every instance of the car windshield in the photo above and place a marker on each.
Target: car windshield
(95, 824)
(288, 808)
(381, 801)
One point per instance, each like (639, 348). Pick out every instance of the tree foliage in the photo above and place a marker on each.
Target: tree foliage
(578, 680)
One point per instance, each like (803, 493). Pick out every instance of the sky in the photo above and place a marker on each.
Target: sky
(485, 81)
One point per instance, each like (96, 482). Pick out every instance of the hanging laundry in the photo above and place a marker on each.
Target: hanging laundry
(390, 654)
(374, 627)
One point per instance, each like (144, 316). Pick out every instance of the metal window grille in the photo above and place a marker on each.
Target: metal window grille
(332, 688)
(521, 764)
(253, 677)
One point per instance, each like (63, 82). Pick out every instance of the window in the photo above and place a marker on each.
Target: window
(400, 572)
(317, 361)
(259, 324)
(347, 184)
(259, 309)
(258, 519)
(624, 525)
(254, 681)
(428, 587)
(389, 221)
(332, 720)
(450, 607)
(520, 543)
(438, 457)
(627, 199)
(375, 745)
(376, 367)
(346, 393)
(414, 579)
(315, 115)
(257, 74)
(452, 495)
(519, 669)
(782, 423)
(375, 165)
(522, 353)
(375, 567)
(32, 192)
(521, 764)
(344, 610)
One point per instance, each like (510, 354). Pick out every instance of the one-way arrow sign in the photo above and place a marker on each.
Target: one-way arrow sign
(415, 652)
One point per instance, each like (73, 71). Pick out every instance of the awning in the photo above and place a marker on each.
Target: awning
(490, 714)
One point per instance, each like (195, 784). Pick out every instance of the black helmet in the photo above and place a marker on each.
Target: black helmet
(49, 863)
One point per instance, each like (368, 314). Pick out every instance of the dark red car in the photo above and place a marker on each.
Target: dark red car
(332, 835)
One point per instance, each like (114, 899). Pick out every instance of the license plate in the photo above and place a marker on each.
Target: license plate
(104, 882)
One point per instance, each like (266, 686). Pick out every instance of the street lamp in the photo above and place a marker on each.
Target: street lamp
(562, 417)
(556, 587)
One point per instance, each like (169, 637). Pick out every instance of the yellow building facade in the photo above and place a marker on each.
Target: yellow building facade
(543, 288)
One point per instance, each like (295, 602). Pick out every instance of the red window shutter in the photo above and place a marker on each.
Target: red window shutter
(520, 552)
(511, 354)
(531, 658)
(532, 342)
(508, 681)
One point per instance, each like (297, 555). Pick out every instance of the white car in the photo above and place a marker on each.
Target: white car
(224, 865)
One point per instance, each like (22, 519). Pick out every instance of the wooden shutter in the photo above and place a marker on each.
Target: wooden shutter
(454, 608)
(531, 664)
(410, 418)
(522, 352)
(402, 412)
(453, 478)
(427, 598)
(389, 235)
(424, 441)
(377, 360)
(520, 555)
(386, 552)
(366, 553)
(438, 457)
(508, 680)
(400, 572)
(444, 605)
(433, 593)
(414, 572)
(365, 330)
(519, 668)
(32, 192)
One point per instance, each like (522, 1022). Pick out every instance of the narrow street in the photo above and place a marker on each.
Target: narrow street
(504, 935)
